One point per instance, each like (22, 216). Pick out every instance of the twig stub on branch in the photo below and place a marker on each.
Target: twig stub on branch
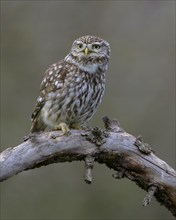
(89, 160)
(151, 191)
(96, 135)
(112, 125)
(142, 146)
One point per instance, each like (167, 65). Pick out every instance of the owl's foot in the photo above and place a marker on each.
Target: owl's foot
(63, 127)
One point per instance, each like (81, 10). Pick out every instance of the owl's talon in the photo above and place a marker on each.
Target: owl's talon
(63, 127)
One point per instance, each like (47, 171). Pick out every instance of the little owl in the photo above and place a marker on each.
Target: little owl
(72, 88)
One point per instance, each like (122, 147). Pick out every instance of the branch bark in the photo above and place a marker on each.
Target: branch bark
(129, 156)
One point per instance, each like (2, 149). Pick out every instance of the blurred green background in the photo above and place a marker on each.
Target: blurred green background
(140, 93)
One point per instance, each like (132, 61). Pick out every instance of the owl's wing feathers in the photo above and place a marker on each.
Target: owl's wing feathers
(53, 79)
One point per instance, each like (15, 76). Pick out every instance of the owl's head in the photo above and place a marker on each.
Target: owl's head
(89, 50)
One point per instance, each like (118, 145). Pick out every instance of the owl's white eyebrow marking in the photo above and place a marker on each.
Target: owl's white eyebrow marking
(79, 42)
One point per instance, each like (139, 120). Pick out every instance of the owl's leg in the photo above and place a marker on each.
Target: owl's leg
(63, 127)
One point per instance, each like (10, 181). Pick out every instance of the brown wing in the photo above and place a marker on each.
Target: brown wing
(53, 79)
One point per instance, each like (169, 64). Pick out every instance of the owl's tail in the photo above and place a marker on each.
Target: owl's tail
(37, 126)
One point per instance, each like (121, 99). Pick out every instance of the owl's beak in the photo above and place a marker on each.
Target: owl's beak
(86, 51)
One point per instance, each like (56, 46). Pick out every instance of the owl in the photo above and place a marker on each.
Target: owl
(72, 88)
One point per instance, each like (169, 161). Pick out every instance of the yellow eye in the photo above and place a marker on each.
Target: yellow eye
(96, 46)
(79, 46)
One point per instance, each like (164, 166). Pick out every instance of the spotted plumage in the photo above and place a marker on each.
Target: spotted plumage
(72, 88)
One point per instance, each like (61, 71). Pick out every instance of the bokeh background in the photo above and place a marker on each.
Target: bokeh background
(140, 93)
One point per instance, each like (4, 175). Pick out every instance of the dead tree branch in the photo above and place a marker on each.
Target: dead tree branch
(129, 156)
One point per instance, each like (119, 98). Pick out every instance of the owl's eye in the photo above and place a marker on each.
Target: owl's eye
(79, 46)
(96, 46)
